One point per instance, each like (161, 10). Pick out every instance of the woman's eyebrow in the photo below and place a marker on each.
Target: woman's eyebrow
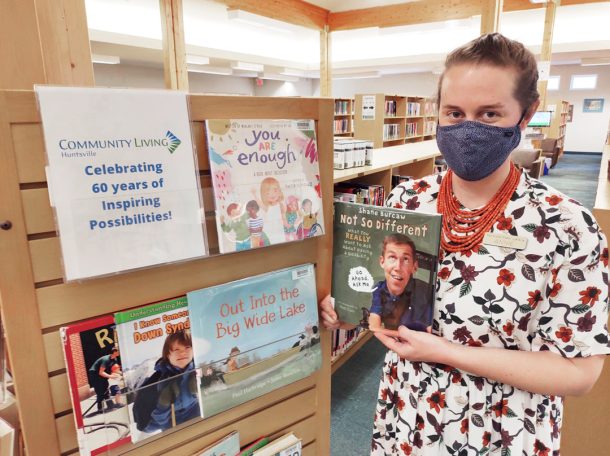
(490, 106)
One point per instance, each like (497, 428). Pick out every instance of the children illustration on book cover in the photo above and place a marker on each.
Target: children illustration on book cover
(266, 180)
(94, 374)
(384, 265)
(159, 369)
(255, 335)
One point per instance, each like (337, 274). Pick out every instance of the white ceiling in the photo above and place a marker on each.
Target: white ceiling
(342, 5)
(131, 29)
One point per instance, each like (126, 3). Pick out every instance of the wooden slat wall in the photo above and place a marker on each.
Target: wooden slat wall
(303, 407)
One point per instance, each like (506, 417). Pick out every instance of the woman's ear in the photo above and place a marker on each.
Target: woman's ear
(529, 114)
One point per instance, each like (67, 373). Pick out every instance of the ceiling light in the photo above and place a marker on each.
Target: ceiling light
(594, 61)
(209, 70)
(365, 75)
(106, 59)
(538, 1)
(247, 66)
(197, 59)
(279, 77)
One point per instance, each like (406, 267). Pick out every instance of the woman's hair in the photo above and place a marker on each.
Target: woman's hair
(496, 50)
(265, 184)
(179, 337)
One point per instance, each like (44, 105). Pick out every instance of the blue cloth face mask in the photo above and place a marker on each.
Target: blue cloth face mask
(474, 150)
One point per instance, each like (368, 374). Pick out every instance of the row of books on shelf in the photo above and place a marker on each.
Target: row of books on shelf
(341, 126)
(413, 109)
(286, 445)
(342, 107)
(389, 109)
(353, 192)
(430, 109)
(411, 129)
(343, 339)
(429, 127)
(144, 371)
(350, 153)
(391, 132)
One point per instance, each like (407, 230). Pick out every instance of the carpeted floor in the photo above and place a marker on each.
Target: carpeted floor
(355, 384)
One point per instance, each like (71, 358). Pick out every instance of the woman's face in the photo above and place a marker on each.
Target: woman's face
(180, 355)
(481, 93)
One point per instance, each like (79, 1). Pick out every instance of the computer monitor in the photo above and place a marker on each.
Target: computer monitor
(541, 119)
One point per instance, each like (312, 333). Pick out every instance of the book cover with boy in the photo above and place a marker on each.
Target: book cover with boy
(93, 368)
(254, 335)
(266, 180)
(159, 372)
(384, 266)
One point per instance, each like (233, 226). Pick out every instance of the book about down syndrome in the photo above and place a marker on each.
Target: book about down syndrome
(93, 368)
(266, 180)
(254, 335)
(384, 266)
(156, 348)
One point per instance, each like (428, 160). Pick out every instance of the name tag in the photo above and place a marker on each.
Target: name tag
(505, 240)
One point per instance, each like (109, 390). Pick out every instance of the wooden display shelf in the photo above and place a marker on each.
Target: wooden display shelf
(341, 359)
(36, 301)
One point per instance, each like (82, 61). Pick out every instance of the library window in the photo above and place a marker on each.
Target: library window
(553, 83)
(582, 81)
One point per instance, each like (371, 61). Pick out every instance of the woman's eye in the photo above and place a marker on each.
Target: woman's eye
(488, 115)
(454, 114)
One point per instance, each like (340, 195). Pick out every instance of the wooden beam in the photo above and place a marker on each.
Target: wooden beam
(174, 53)
(490, 16)
(295, 12)
(325, 63)
(44, 42)
(547, 47)
(404, 14)
(424, 11)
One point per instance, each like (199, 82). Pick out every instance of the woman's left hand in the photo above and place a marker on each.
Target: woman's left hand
(416, 345)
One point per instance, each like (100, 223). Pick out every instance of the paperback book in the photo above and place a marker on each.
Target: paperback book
(266, 180)
(227, 446)
(254, 335)
(384, 266)
(156, 349)
(94, 375)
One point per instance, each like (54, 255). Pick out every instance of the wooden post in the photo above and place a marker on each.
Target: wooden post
(325, 63)
(174, 53)
(490, 16)
(547, 44)
(44, 42)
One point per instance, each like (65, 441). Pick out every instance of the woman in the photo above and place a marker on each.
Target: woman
(521, 315)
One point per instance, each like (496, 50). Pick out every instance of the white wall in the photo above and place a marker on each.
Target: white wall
(400, 84)
(587, 131)
(301, 88)
(148, 77)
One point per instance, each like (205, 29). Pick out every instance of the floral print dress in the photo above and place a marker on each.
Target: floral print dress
(553, 295)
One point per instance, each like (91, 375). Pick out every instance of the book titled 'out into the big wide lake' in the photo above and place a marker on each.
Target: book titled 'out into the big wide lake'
(254, 335)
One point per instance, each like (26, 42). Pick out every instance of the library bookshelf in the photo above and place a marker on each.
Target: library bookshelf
(558, 123)
(410, 159)
(393, 120)
(36, 301)
(344, 117)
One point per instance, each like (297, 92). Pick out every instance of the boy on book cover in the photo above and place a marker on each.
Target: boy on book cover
(169, 396)
(400, 299)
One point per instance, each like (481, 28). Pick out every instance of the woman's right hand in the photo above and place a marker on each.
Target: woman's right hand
(328, 316)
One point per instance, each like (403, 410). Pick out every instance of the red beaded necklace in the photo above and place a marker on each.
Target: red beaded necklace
(464, 229)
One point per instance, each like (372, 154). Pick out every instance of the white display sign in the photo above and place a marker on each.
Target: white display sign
(122, 178)
(368, 107)
(544, 70)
